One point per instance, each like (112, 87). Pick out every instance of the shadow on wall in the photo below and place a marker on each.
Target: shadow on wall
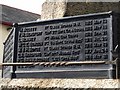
(78, 8)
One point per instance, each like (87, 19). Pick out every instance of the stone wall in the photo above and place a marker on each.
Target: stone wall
(52, 10)
(62, 84)
(78, 8)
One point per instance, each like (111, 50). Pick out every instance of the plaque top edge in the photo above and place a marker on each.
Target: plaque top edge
(69, 17)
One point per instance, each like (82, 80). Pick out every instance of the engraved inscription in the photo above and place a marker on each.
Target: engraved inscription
(71, 41)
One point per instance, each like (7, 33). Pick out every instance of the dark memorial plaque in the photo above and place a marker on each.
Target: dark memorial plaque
(8, 55)
(72, 39)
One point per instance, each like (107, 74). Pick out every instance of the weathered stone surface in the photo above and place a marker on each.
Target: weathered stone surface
(64, 83)
(78, 8)
(51, 10)
(4, 82)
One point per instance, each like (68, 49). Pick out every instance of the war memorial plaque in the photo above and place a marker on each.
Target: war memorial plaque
(71, 39)
(8, 54)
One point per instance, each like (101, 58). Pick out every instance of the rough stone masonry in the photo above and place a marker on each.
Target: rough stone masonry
(52, 10)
